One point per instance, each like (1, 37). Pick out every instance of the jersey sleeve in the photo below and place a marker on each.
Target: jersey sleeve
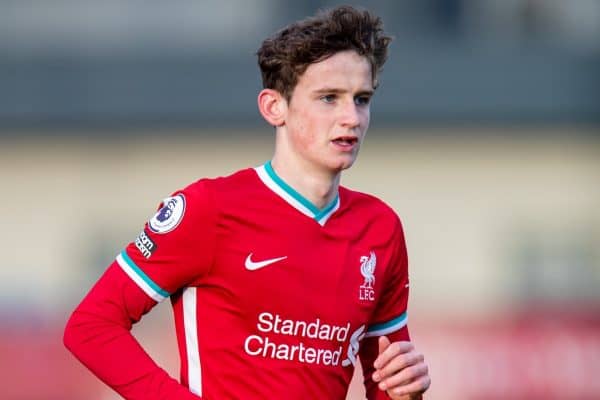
(391, 312)
(176, 245)
(98, 334)
(174, 250)
(390, 317)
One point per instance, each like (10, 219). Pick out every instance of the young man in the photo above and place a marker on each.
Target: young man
(280, 279)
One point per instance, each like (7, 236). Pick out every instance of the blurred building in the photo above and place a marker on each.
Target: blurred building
(66, 62)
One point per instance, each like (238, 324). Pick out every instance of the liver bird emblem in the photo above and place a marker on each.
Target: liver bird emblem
(367, 269)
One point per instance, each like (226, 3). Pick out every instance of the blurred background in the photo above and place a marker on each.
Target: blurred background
(485, 138)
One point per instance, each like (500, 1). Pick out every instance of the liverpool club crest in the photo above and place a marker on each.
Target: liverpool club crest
(367, 269)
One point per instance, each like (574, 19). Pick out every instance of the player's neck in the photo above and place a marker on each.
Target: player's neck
(317, 186)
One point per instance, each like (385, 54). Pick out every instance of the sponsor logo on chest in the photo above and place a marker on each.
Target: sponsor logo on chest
(326, 347)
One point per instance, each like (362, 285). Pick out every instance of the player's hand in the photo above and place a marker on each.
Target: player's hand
(400, 370)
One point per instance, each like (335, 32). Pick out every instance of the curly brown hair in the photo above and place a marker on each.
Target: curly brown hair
(285, 56)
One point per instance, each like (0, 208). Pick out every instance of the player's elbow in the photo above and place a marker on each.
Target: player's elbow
(70, 335)
(74, 334)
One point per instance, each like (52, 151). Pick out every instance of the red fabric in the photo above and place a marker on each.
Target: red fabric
(98, 334)
(252, 332)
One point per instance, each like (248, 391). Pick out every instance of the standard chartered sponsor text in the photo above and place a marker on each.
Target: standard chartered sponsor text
(267, 345)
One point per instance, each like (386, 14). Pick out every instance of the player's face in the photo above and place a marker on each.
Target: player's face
(328, 113)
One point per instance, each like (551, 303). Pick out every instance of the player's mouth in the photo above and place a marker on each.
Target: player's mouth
(345, 142)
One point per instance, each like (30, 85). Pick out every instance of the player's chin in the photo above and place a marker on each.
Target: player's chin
(343, 163)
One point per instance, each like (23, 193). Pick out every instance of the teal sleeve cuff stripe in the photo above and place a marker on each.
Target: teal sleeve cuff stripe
(144, 277)
(389, 326)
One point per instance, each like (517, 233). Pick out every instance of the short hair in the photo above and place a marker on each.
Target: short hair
(286, 55)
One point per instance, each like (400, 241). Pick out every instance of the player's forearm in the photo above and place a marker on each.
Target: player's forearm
(115, 357)
(369, 351)
(98, 334)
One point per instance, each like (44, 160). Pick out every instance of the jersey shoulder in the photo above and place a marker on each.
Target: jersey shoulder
(233, 184)
(199, 200)
(370, 207)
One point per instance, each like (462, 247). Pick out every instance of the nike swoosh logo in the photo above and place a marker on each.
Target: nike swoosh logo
(253, 266)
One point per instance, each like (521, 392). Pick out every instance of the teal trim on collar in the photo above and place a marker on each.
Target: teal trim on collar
(317, 213)
(327, 209)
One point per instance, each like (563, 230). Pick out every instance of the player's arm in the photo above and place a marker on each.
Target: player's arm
(400, 370)
(174, 249)
(390, 362)
(99, 335)
(392, 367)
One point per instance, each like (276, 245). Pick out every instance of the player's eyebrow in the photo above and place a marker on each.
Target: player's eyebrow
(365, 93)
(327, 90)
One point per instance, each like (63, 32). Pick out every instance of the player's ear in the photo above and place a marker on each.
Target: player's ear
(272, 106)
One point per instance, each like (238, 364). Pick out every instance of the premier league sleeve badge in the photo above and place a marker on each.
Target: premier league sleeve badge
(169, 216)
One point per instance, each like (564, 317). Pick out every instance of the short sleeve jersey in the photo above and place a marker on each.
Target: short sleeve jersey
(272, 297)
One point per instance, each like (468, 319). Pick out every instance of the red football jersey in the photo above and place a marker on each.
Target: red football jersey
(273, 298)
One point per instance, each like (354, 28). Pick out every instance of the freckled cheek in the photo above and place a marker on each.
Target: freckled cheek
(309, 129)
(302, 135)
(365, 117)
(364, 124)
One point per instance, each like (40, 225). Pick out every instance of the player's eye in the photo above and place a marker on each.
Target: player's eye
(362, 100)
(328, 98)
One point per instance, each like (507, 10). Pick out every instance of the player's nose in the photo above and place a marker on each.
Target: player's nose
(350, 115)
